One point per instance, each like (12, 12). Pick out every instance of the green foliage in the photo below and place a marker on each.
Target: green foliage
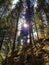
(8, 25)
(3, 2)
(41, 5)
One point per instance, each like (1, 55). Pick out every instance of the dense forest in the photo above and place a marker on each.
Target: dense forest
(24, 32)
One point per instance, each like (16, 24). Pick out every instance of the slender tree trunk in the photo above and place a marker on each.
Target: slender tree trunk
(15, 34)
(1, 42)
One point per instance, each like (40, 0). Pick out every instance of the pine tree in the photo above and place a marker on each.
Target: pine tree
(30, 38)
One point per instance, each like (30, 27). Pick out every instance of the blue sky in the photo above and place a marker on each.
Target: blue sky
(14, 2)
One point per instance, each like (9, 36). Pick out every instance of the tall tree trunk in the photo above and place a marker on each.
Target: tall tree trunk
(1, 41)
